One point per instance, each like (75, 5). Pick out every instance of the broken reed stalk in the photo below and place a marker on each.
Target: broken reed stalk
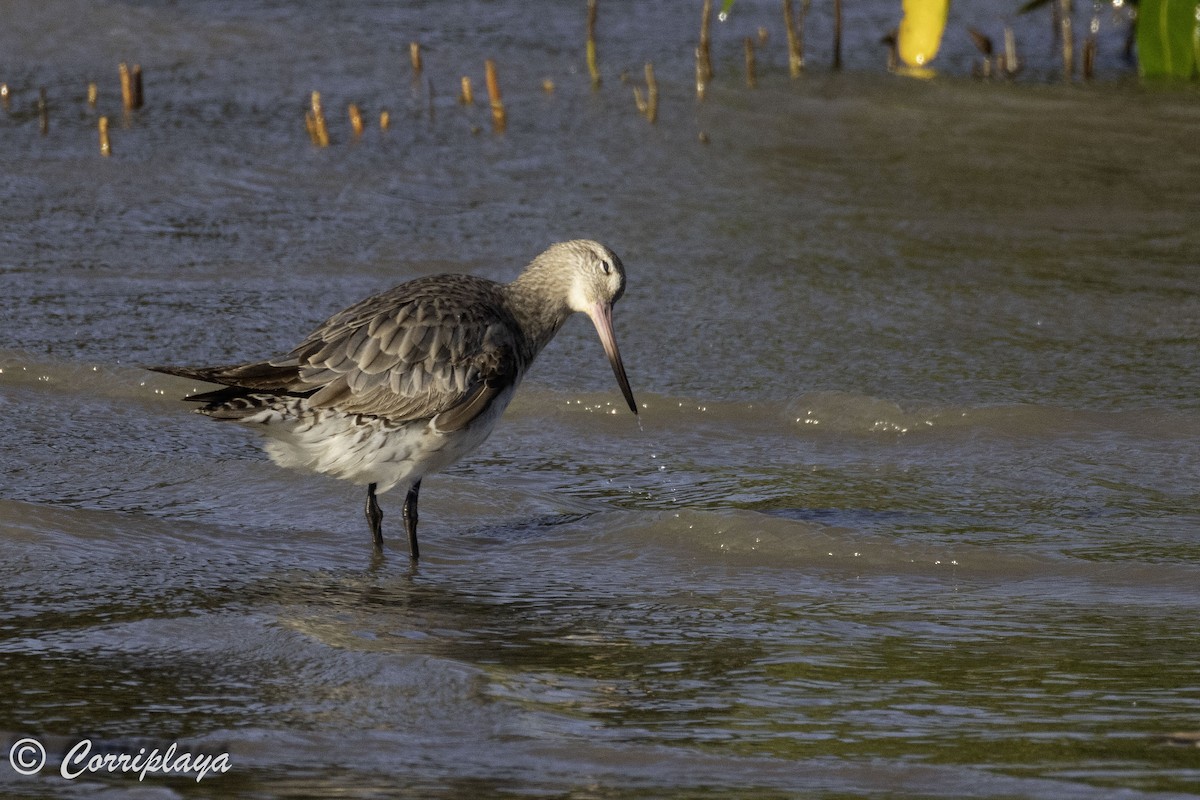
(466, 96)
(385, 120)
(131, 86)
(651, 94)
(795, 37)
(356, 120)
(647, 104)
(751, 67)
(1068, 39)
(43, 112)
(139, 98)
(593, 68)
(837, 34)
(983, 43)
(704, 71)
(1012, 65)
(314, 121)
(105, 145)
(5, 99)
(893, 54)
(1089, 47)
(414, 55)
(93, 94)
(499, 118)
(993, 62)
(126, 85)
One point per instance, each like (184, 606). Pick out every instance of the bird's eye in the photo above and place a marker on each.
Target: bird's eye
(607, 267)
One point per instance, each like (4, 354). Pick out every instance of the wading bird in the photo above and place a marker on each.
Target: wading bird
(411, 380)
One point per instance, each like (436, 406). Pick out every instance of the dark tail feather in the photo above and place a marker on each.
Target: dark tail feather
(246, 386)
(233, 403)
(262, 376)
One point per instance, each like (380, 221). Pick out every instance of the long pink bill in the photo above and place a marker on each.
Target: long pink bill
(601, 316)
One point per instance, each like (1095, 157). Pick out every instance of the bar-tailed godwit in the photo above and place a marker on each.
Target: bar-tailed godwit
(410, 380)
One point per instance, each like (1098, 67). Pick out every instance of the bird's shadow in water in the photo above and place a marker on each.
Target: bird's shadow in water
(459, 607)
(396, 561)
(394, 601)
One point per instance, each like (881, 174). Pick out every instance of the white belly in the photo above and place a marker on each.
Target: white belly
(364, 449)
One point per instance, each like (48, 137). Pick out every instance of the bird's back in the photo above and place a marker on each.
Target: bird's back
(441, 346)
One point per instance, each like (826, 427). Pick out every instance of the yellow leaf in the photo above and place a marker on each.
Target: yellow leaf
(921, 30)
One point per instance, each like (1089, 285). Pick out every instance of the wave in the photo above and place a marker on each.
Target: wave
(811, 414)
(860, 415)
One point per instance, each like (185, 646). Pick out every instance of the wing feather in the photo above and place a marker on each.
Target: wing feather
(442, 347)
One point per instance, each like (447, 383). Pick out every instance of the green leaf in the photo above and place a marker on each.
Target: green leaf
(1166, 38)
(728, 4)
(1196, 40)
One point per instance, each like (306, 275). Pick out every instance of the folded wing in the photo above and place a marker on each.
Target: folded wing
(406, 354)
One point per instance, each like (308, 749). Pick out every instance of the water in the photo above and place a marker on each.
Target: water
(911, 511)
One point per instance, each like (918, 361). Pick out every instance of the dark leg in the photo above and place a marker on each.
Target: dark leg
(374, 517)
(410, 520)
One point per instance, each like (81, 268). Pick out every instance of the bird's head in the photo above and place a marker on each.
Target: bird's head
(592, 279)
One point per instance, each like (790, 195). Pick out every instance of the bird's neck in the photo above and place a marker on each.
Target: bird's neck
(538, 301)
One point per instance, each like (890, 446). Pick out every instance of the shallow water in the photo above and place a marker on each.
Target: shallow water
(911, 509)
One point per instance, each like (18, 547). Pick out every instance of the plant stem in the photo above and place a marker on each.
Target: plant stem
(593, 68)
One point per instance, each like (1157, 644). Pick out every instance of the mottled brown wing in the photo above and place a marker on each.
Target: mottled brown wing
(434, 346)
